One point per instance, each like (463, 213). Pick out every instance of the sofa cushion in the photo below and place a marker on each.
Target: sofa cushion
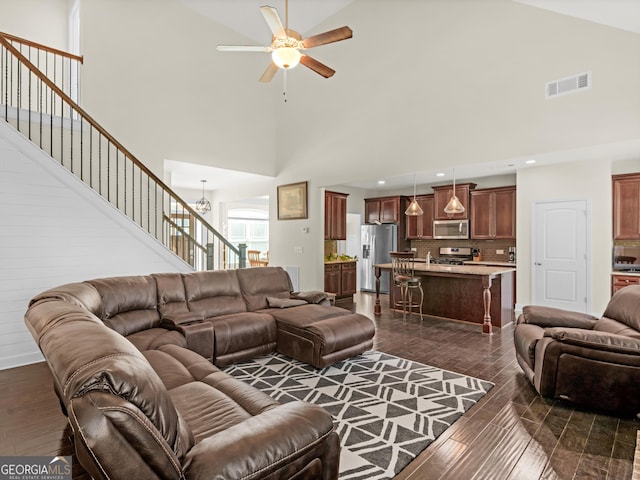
(171, 295)
(155, 337)
(625, 307)
(613, 326)
(305, 315)
(208, 399)
(259, 283)
(554, 317)
(275, 302)
(129, 304)
(104, 361)
(81, 294)
(213, 293)
(240, 332)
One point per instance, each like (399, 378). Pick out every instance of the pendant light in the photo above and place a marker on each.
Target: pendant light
(203, 205)
(414, 210)
(454, 206)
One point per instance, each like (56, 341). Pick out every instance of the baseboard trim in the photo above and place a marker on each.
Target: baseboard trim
(20, 360)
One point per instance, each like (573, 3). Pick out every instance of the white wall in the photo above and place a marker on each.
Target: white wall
(41, 21)
(153, 78)
(56, 230)
(588, 180)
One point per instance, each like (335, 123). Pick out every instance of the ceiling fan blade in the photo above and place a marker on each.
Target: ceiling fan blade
(269, 73)
(272, 18)
(331, 36)
(316, 66)
(242, 48)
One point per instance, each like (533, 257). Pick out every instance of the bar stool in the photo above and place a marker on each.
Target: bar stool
(404, 278)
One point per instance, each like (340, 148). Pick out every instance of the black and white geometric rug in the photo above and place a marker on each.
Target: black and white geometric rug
(386, 409)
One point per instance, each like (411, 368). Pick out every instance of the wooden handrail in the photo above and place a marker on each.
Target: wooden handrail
(7, 44)
(30, 43)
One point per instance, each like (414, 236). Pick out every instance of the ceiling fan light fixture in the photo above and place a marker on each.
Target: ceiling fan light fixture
(286, 57)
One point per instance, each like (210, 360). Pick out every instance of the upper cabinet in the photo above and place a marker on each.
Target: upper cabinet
(442, 195)
(421, 226)
(626, 206)
(335, 216)
(383, 209)
(493, 213)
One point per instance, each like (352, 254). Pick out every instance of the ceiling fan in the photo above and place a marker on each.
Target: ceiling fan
(287, 45)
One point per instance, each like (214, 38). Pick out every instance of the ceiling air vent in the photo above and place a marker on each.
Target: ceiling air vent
(573, 84)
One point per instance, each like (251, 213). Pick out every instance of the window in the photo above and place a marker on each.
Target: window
(249, 226)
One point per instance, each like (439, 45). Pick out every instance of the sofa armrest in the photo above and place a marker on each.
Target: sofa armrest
(197, 332)
(257, 447)
(547, 317)
(182, 318)
(594, 339)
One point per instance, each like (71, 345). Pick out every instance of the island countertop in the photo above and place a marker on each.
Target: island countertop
(481, 270)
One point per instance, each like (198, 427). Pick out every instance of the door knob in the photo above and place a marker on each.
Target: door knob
(538, 263)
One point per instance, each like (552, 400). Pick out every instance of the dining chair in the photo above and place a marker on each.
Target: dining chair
(255, 260)
(404, 278)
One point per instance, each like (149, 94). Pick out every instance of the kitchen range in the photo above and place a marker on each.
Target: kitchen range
(453, 256)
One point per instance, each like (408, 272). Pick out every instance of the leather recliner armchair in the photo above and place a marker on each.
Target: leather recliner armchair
(592, 362)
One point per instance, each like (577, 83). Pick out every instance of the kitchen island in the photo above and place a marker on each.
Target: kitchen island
(472, 293)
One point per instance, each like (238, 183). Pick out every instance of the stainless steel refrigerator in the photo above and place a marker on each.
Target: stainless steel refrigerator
(377, 241)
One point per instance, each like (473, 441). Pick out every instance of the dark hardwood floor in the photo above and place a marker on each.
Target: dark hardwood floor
(511, 433)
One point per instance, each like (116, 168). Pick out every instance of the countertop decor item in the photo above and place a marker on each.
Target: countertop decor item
(203, 205)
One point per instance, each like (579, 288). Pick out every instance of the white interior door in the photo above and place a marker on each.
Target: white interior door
(560, 255)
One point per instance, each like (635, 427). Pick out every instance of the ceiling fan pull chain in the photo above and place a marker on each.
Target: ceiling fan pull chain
(284, 86)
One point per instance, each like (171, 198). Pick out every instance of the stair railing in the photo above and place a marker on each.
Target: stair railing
(39, 88)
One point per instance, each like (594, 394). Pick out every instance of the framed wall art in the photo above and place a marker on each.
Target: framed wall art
(292, 201)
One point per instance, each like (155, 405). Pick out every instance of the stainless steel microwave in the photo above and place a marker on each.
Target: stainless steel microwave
(454, 229)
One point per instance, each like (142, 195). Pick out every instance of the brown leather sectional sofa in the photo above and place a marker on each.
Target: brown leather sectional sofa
(132, 364)
(592, 362)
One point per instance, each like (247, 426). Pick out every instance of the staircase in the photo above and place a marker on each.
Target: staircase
(39, 97)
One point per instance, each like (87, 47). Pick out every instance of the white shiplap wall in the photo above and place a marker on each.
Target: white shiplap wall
(55, 230)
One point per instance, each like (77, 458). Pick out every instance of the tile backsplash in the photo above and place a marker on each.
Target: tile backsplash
(488, 248)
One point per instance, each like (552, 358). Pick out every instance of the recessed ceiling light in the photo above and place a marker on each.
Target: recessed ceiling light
(529, 162)
(440, 174)
(381, 182)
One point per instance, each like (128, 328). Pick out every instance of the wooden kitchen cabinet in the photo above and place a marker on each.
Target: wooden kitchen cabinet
(335, 215)
(493, 213)
(421, 226)
(626, 206)
(442, 195)
(348, 278)
(621, 281)
(340, 278)
(383, 209)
